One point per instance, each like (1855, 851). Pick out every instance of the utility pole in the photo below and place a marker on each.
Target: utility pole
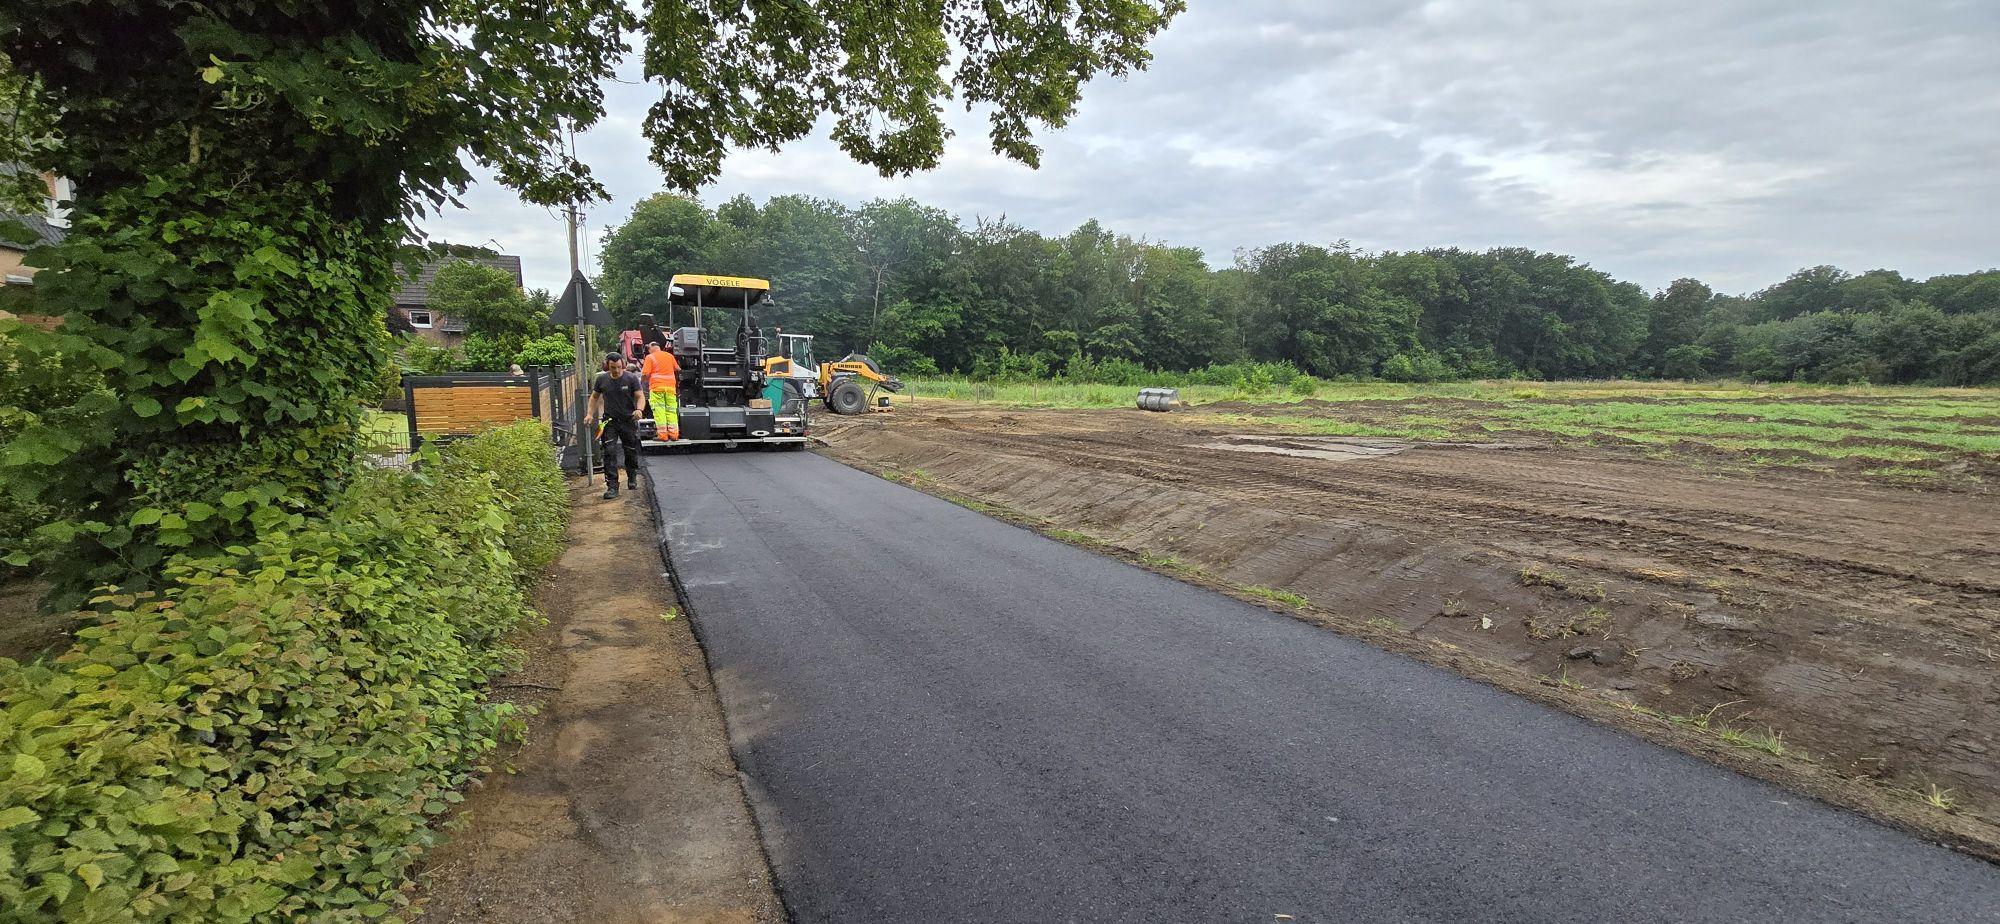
(583, 434)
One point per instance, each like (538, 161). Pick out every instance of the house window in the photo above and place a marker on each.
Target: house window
(420, 318)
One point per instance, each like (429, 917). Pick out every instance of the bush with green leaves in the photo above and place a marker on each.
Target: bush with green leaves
(423, 357)
(553, 350)
(488, 353)
(37, 389)
(520, 458)
(270, 733)
(1416, 365)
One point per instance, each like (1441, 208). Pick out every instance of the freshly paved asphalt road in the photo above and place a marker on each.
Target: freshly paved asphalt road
(944, 718)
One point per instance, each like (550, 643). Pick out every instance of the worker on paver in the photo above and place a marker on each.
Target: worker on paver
(616, 393)
(662, 373)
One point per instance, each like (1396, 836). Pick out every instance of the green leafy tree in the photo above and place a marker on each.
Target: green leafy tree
(1687, 361)
(1675, 321)
(1321, 311)
(488, 299)
(665, 234)
(1815, 288)
(902, 249)
(806, 247)
(247, 172)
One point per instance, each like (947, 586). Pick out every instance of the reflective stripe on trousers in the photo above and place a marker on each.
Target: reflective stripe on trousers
(666, 405)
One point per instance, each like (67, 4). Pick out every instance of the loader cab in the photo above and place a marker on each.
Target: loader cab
(799, 349)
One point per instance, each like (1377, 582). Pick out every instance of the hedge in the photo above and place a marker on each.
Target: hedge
(270, 736)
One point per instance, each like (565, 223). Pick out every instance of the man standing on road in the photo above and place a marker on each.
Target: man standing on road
(616, 393)
(661, 373)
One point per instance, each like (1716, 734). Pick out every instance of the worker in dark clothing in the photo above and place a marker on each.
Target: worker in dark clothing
(616, 393)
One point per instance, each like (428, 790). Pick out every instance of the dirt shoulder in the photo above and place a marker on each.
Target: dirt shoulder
(27, 633)
(1835, 635)
(624, 805)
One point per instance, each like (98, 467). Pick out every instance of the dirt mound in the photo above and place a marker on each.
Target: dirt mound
(1787, 615)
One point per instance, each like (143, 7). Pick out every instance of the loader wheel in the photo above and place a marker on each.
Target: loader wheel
(847, 398)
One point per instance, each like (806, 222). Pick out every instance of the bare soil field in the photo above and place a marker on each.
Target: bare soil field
(1837, 633)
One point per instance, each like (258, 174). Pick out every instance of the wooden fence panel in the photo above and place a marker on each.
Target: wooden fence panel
(468, 403)
(467, 409)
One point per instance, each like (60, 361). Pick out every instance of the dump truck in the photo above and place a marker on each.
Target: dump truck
(727, 398)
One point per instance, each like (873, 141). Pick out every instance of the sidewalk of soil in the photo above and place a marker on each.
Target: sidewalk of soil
(624, 805)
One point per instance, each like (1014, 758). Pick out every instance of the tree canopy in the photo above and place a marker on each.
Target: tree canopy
(247, 171)
(925, 292)
(487, 298)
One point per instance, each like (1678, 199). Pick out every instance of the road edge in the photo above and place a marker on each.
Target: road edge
(682, 600)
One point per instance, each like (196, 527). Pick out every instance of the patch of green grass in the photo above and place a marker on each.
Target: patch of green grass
(1906, 473)
(1168, 563)
(1387, 625)
(1275, 595)
(1938, 798)
(1073, 537)
(1768, 741)
(1562, 679)
(378, 423)
(1702, 720)
(1543, 627)
(1894, 432)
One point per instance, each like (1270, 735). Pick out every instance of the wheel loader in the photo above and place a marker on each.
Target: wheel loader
(846, 386)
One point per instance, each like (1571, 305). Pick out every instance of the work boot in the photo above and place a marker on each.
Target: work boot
(632, 480)
(611, 487)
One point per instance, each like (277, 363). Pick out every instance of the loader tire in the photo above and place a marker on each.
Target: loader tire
(847, 399)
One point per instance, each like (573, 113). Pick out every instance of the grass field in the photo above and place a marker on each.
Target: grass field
(375, 423)
(1912, 434)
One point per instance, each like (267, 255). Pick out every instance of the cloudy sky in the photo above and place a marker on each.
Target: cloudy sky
(1730, 141)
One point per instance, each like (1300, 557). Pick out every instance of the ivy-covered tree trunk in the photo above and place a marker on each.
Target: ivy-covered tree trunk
(242, 328)
(227, 266)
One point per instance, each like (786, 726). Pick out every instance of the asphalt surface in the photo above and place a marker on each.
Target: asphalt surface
(941, 717)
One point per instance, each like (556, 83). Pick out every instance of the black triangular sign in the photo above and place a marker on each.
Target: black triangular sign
(580, 292)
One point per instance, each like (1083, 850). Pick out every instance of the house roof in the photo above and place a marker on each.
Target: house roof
(416, 293)
(44, 233)
(37, 222)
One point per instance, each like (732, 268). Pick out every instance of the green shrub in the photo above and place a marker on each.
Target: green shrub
(1248, 376)
(1087, 371)
(38, 387)
(488, 352)
(422, 357)
(270, 735)
(1415, 365)
(553, 350)
(521, 461)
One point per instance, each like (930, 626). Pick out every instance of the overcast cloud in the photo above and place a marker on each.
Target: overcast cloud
(1733, 142)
